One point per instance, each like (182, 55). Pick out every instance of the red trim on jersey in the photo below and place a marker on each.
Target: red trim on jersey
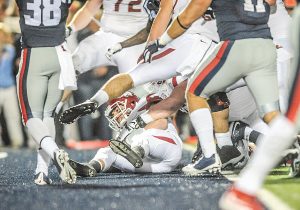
(294, 103)
(209, 68)
(174, 81)
(165, 139)
(23, 68)
(163, 54)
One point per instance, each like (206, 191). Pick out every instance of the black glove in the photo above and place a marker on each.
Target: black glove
(151, 48)
(209, 15)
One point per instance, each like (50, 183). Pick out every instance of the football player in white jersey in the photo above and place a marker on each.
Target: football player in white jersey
(240, 134)
(193, 46)
(121, 19)
(158, 144)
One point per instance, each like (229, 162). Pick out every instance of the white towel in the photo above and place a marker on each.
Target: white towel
(67, 79)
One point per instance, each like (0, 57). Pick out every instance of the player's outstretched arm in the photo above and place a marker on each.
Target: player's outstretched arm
(137, 39)
(192, 12)
(84, 16)
(162, 19)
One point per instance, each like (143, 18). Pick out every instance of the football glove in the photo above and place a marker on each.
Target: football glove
(151, 48)
(68, 31)
(113, 50)
(209, 15)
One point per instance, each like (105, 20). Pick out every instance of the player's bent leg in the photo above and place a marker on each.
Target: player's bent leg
(133, 154)
(114, 88)
(90, 53)
(83, 169)
(103, 159)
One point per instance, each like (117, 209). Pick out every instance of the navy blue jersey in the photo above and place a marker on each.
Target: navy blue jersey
(242, 19)
(43, 22)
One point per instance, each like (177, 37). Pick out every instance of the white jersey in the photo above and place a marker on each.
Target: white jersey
(206, 28)
(279, 22)
(123, 17)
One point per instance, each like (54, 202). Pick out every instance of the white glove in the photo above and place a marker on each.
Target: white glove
(59, 107)
(114, 49)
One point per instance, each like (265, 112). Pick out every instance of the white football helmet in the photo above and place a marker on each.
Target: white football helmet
(119, 109)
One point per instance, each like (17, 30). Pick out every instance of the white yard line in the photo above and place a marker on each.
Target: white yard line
(268, 198)
(3, 155)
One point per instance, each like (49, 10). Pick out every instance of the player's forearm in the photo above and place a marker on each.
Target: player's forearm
(165, 108)
(170, 105)
(162, 20)
(139, 38)
(84, 16)
(192, 12)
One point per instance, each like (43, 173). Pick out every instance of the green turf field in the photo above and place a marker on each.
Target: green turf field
(285, 188)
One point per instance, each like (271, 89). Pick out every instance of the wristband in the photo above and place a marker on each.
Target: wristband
(165, 39)
(146, 118)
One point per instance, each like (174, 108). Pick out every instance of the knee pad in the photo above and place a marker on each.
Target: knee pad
(218, 102)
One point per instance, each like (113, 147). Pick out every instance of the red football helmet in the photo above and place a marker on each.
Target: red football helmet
(119, 109)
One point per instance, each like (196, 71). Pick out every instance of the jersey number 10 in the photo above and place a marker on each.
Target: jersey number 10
(44, 13)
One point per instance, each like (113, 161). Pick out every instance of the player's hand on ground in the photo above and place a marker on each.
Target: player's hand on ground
(151, 48)
(113, 50)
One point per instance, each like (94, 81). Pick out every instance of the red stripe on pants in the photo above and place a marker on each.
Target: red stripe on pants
(210, 67)
(23, 68)
(295, 102)
(165, 139)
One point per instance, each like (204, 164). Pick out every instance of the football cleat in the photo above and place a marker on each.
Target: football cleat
(295, 162)
(229, 155)
(41, 179)
(234, 199)
(125, 151)
(204, 166)
(83, 169)
(77, 111)
(65, 171)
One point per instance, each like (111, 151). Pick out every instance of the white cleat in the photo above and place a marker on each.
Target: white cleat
(66, 172)
(41, 179)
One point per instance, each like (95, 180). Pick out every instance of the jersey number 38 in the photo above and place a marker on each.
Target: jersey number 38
(47, 13)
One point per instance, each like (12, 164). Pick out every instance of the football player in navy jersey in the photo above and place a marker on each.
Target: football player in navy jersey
(43, 34)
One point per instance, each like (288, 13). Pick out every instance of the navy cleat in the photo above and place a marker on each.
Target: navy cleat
(73, 113)
(41, 179)
(83, 169)
(134, 157)
(204, 166)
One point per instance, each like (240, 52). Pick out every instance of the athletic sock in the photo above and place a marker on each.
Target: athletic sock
(49, 146)
(251, 135)
(97, 165)
(223, 139)
(43, 161)
(100, 97)
(203, 125)
(267, 155)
